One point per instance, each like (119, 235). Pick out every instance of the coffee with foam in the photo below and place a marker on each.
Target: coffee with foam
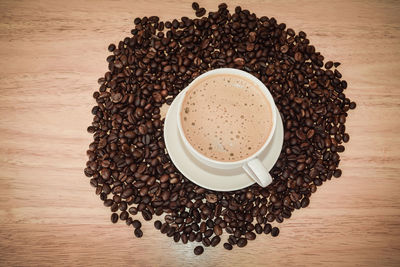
(226, 117)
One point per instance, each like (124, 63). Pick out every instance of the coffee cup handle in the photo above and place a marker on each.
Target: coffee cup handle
(257, 172)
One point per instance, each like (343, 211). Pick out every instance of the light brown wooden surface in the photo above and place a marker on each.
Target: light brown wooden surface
(52, 53)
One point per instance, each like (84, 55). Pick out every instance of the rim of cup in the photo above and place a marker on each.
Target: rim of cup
(259, 84)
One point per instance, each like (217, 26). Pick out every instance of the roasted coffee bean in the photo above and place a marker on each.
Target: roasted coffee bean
(164, 228)
(129, 221)
(242, 242)
(198, 250)
(275, 231)
(227, 246)
(171, 233)
(217, 230)
(127, 193)
(298, 56)
(250, 236)
(146, 215)
(206, 242)
(215, 241)
(133, 210)
(177, 237)
(284, 49)
(346, 138)
(237, 233)
(138, 232)
(199, 237)
(200, 12)
(267, 228)
(211, 198)
(157, 225)
(337, 173)
(195, 6)
(114, 218)
(111, 47)
(258, 228)
(208, 233)
(128, 165)
(136, 224)
(305, 202)
(184, 238)
(124, 215)
(328, 65)
(232, 240)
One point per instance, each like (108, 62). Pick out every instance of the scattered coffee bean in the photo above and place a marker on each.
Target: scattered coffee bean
(198, 250)
(195, 6)
(305, 202)
(136, 224)
(138, 232)
(275, 231)
(242, 242)
(227, 246)
(206, 242)
(217, 230)
(157, 225)
(232, 240)
(124, 215)
(328, 65)
(114, 218)
(200, 12)
(337, 173)
(177, 237)
(111, 47)
(346, 137)
(133, 210)
(258, 228)
(215, 241)
(250, 236)
(267, 228)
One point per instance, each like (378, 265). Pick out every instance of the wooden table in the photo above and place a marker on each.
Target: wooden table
(52, 53)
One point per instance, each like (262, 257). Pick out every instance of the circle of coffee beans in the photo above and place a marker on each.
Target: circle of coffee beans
(129, 166)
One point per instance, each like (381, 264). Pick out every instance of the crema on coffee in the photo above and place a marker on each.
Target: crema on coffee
(226, 117)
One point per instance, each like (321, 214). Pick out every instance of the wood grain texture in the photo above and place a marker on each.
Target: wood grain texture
(52, 53)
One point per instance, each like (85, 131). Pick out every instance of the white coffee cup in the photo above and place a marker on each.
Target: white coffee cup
(252, 165)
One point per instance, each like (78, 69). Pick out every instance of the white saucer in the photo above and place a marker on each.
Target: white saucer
(207, 177)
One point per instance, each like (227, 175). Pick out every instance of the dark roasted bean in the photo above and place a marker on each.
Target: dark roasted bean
(250, 236)
(200, 12)
(242, 242)
(198, 250)
(114, 218)
(227, 246)
(136, 224)
(217, 230)
(258, 228)
(206, 242)
(124, 215)
(157, 224)
(195, 6)
(267, 228)
(337, 173)
(275, 231)
(215, 241)
(138, 232)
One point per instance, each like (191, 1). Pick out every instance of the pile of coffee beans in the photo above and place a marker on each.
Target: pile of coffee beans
(129, 166)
